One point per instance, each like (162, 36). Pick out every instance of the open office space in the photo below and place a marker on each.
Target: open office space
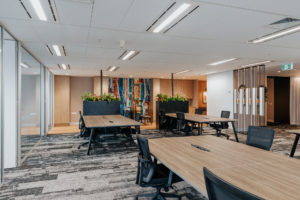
(149, 99)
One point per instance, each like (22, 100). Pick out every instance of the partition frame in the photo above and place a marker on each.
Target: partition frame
(1, 106)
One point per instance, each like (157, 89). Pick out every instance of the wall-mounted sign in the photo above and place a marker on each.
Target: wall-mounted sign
(285, 67)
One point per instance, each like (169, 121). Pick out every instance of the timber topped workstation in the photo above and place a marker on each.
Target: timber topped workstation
(103, 123)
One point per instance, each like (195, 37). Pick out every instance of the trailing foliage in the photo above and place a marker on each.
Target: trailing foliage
(166, 98)
(87, 96)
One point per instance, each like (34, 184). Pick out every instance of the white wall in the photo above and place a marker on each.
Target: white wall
(220, 93)
(10, 104)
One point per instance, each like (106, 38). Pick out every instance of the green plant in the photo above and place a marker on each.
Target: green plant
(87, 96)
(166, 98)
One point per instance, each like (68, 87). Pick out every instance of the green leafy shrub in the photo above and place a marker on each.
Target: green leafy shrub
(166, 98)
(87, 96)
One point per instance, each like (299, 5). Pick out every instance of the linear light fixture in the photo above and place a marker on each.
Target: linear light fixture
(64, 66)
(276, 34)
(128, 54)
(56, 49)
(258, 63)
(181, 72)
(36, 4)
(24, 65)
(222, 61)
(172, 17)
(112, 68)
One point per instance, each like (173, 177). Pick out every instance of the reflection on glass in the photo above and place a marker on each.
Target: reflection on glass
(30, 94)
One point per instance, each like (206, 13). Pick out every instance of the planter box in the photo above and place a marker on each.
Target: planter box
(101, 108)
(171, 107)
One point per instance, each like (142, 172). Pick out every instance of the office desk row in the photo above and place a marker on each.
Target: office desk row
(201, 119)
(262, 173)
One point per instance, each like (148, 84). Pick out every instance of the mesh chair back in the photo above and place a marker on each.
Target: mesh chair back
(199, 111)
(126, 113)
(180, 115)
(225, 114)
(180, 121)
(218, 189)
(162, 117)
(138, 117)
(147, 166)
(81, 121)
(260, 137)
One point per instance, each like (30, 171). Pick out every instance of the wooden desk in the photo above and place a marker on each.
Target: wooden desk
(263, 173)
(297, 133)
(200, 119)
(107, 121)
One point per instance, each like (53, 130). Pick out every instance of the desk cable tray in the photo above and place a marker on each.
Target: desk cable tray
(201, 148)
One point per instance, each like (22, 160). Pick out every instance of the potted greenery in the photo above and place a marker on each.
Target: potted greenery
(105, 104)
(169, 104)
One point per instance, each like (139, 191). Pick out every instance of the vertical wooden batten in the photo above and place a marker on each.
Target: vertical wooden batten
(61, 100)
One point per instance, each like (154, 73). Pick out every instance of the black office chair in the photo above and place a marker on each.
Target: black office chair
(222, 125)
(138, 117)
(218, 189)
(163, 121)
(260, 137)
(84, 132)
(182, 124)
(199, 111)
(151, 174)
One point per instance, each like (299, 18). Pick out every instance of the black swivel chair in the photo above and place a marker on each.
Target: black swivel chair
(199, 111)
(84, 132)
(218, 189)
(222, 125)
(260, 137)
(182, 124)
(151, 174)
(163, 121)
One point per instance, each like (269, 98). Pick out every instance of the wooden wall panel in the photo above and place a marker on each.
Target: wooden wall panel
(97, 85)
(181, 87)
(61, 100)
(78, 86)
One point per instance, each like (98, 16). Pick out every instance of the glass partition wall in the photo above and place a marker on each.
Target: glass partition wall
(30, 95)
(26, 101)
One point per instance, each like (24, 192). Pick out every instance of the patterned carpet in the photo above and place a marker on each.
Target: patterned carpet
(54, 168)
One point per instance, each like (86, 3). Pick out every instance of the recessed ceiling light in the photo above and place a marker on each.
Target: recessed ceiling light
(24, 65)
(112, 68)
(258, 63)
(222, 61)
(128, 54)
(56, 49)
(276, 34)
(36, 4)
(172, 17)
(181, 72)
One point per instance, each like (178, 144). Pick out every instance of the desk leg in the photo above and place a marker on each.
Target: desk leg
(200, 127)
(234, 131)
(90, 141)
(294, 145)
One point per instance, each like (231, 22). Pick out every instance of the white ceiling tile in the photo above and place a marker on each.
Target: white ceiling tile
(110, 13)
(74, 13)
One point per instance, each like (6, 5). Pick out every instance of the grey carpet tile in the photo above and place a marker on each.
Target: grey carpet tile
(56, 169)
